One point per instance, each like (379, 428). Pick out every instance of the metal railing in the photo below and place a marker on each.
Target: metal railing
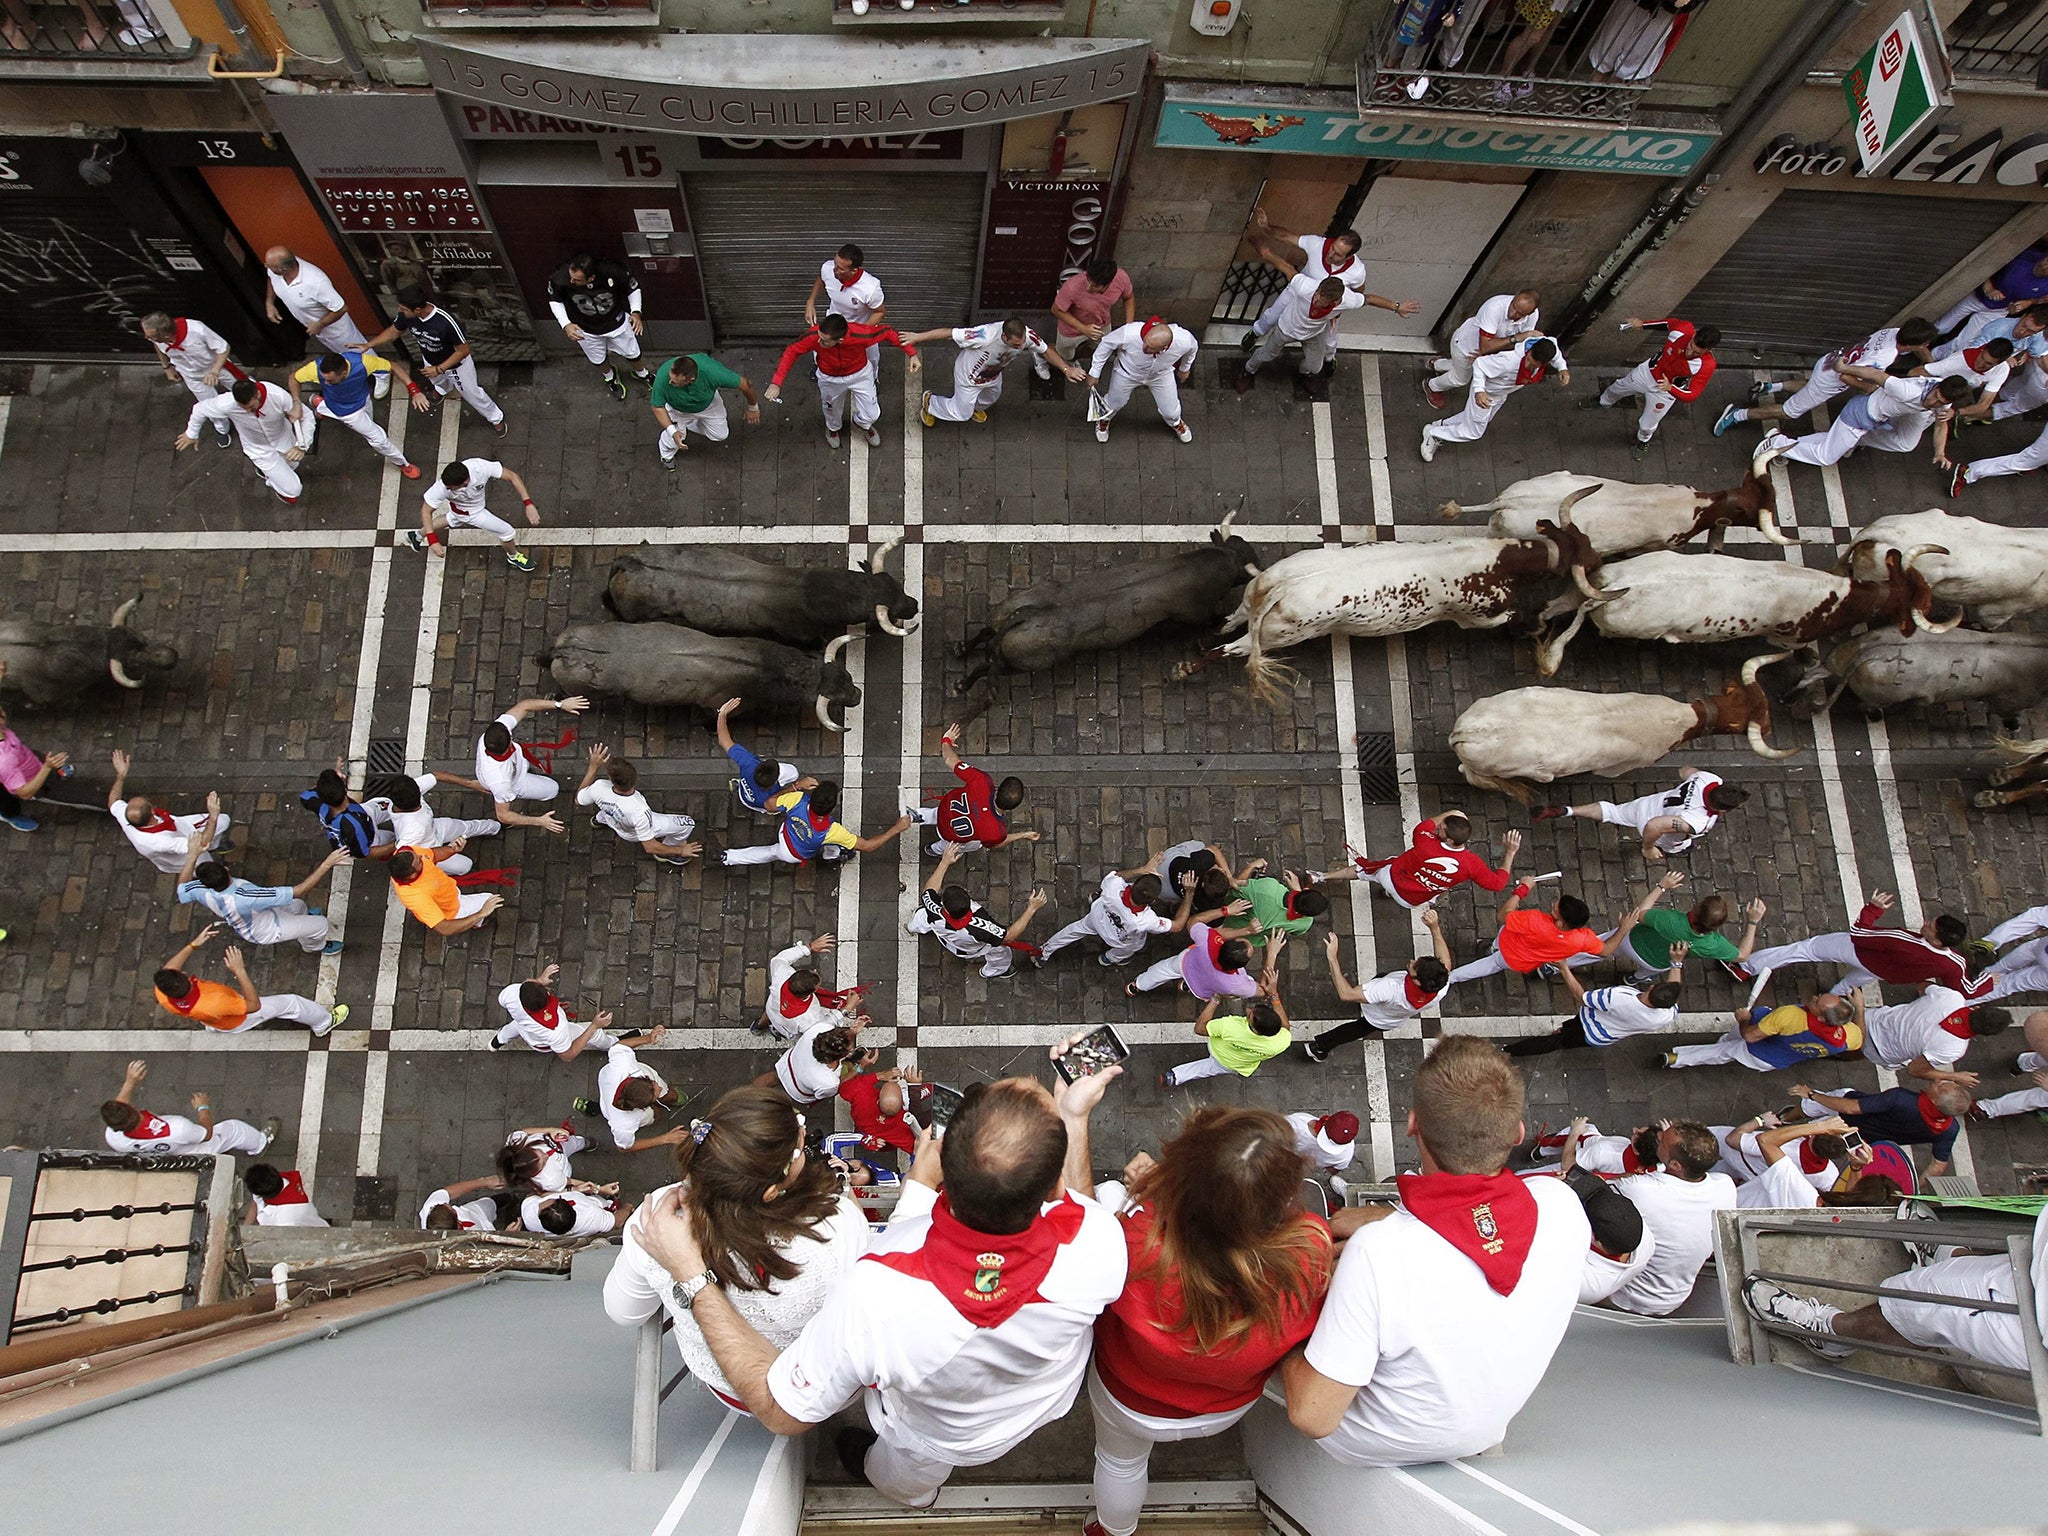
(1248, 287)
(1592, 63)
(2001, 40)
(88, 29)
(649, 1391)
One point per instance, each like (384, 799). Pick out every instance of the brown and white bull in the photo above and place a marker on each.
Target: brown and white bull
(1993, 572)
(1711, 599)
(1623, 518)
(1393, 588)
(2022, 777)
(1528, 736)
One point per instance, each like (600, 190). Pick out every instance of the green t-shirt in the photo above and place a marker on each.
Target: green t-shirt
(1661, 928)
(697, 395)
(1269, 905)
(1234, 1042)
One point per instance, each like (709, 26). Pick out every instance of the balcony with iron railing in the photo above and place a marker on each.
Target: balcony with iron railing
(92, 31)
(2000, 40)
(1588, 62)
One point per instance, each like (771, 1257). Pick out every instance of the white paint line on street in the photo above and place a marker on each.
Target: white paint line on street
(6, 410)
(910, 761)
(248, 541)
(680, 1504)
(853, 743)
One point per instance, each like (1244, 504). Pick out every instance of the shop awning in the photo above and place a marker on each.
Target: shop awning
(743, 83)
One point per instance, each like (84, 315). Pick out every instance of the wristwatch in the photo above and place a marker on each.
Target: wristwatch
(686, 1292)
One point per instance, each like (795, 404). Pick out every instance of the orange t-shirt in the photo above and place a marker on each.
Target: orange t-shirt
(216, 1006)
(432, 897)
(1529, 938)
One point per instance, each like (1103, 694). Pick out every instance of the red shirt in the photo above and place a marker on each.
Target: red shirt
(1687, 376)
(1151, 1365)
(1428, 868)
(1530, 937)
(863, 1097)
(844, 360)
(968, 814)
(1907, 958)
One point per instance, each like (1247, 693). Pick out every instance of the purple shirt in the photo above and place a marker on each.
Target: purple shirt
(1202, 976)
(2017, 281)
(17, 764)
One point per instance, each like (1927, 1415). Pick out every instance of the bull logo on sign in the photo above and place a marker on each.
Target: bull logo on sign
(1241, 131)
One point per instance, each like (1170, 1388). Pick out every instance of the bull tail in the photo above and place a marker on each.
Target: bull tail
(1271, 682)
(1514, 789)
(2012, 747)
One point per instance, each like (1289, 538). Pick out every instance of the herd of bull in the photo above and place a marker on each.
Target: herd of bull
(692, 626)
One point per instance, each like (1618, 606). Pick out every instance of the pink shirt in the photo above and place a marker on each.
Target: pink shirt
(1075, 298)
(17, 764)
(1202, 976)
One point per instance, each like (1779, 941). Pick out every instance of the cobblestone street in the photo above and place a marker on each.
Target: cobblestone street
(311, 632)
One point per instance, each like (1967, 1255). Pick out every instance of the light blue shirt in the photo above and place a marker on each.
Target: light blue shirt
(2007, 326)
(238, 905)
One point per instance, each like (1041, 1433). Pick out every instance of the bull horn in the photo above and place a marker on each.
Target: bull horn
(832, 651)
(1928, 626)
(1252, 571)
(1223, 528)
(888, 624)
(1763, 748)
(120, 675)
(1756, 664)
(1583, 582)
(875, 560)
(824, 707)
(1564, 508)
(1767, 525)
(1550, 653)
(1907, 557)
(121, 613)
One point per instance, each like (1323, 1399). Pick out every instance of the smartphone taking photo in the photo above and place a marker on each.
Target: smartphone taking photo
(1097, 1051)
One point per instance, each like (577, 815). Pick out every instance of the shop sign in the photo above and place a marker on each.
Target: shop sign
(1890, 92)
(925, 144)
(1315, 131)
(1943, 158)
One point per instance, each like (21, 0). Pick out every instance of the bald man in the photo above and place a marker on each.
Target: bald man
(1153, 352)
(309, 296)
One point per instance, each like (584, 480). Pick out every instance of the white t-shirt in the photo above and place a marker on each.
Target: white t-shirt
(309, 294)
(802, 1076)
(1127, 345)
(1894, 1035)
(1745, 1161)
(554, 1162)
(1602, 1154)
(1293, 318)
(1681, 1215)
(988, 353)
(288, 1212)
(1902, 400)
(1328, 1156)
(1387, 1003)
(1498, 372)
(1783, 1186)
(1877, 350)
(942, 1388)
(1603, 1276)
(1493, 319)
(637, 1286)
(1614, 1013)
(559, 1038)
(166, 849)
(412, 829)
(857, 300)
(1443, 1361)
(470, 1216)
(628, 815)
(781, 966)
(1114, 922)
(619, 1064)
(193, 357)
(1688, 802)
(500, 776)
(1317, 249)
(595, 1215)
(464, 500)
(159, 1133)
(1957, 365)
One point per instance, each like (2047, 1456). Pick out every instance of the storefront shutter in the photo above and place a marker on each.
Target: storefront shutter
(761, 236)
(1822, 268)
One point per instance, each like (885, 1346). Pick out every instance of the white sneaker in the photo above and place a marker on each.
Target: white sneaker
(2031, 1061)
(1102, 431)
(1341, 1189)
(860, 7)
(1772, 1303)
(1428, 446)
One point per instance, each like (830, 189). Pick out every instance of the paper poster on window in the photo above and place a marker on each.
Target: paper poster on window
(654, 221)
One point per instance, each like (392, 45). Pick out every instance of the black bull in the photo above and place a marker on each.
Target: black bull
(723, 593)
(49, 663)
(665, 664)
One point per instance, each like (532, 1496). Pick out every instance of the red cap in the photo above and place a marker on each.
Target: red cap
(1342, 1127)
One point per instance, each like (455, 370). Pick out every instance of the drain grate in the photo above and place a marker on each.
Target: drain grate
(1054, 388)
(386, 761)
(376, 1199)
(1378, 779)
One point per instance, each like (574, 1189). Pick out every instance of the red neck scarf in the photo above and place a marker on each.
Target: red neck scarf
(852, 278)
(150, 1127)
(1631, 1162)
(957, 923)
(1810, 1161)
(177, 333)
(1334, 267)
(1832, 1035)
(1931, 1116)
(1129, 904)
(1958, 1024)
(160, 820)
(1414, 991)
(293, 1193)
(183, 1004)
(1216, 943)
(550, 1012)
(504, 756)
(988, 1279)
(793, 1006)
(1318, 310)
(1489, 1218)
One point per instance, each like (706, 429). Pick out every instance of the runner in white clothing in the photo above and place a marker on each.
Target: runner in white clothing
(968, 1323)
(1298, 255)
(1149, 352)
(809, 1071)
(446, 1210)
(851, 292)
(590, 1212)
(628, 1094)
(986, 351)
(456, 500)
(1496, 376)
(538, 1157)
(1670, 821)
(275, 431)
(1622, 1245)
(1678, 1198)
(1927, 1036)
(154, 832)
(195, 355)
(130, 1129)
(1902, 345)
(278, 1198)
(310, 297)
(621, 807)
(1502, 321)
(1122, 916)
(1307, 311)
(535, 1015)
(1329, 1142)
(1444, 1311)
(412, 823)
(796, 1002)
(1389, 1001)
(1893, 417)
(503, 771)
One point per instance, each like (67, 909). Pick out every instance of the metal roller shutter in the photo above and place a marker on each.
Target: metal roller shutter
(1822, 268)
(762, 235)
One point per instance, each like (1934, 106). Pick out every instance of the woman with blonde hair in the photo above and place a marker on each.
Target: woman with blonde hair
(1227, 1274)
(776, 1228)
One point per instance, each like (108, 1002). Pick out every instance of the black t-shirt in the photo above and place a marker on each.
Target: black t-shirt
(435, 338)
(601, 307)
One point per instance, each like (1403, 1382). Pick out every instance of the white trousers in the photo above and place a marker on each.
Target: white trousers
(233, 1136)
(776, 852)
(2021, 978)
(1117, 952)
(1315, 352)
(530, 785)
(1657, 400)
(834, 390)
(449, 829)
(1162, 973)
(1454, 371)
(484, 520)
(1194, 1071)
(2031, 457)
(1492, 963)
(1847, 434)
(1122, 383)
(2031, 923)
(1821, 949)
(996, 959)
(2027, 392)
(968, 396)
(461, 379)
(1728, 1051)
(711, 424)
(201, 390)
(1821, 386)
(1971, 303)
(343, 335)
(278, 472)
(1994, 1337)
(364, 424)
(292, 924)
(1470, 424)
(290, 1007)
(619, 343)
(911, 1479)
(1123, 1451)
(2015, 1103)
(600, 1041)
(668, 828)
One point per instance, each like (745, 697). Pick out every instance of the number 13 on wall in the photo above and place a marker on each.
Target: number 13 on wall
(630, 161)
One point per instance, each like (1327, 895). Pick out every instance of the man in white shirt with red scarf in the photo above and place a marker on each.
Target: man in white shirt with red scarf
(968, 1323)
(1444, 1312)
(1494, 377)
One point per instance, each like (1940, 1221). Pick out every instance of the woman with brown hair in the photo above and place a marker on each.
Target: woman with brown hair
(776, 1228)
(1227, 1274)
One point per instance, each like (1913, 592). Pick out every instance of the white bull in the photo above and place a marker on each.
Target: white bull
(1393, 588)
(1527, 736)
(1992, 571)
(1710, 599)
(1621, 518)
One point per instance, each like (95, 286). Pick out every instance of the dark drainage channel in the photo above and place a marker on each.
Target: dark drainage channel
(386, 762)
(1379, 781)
